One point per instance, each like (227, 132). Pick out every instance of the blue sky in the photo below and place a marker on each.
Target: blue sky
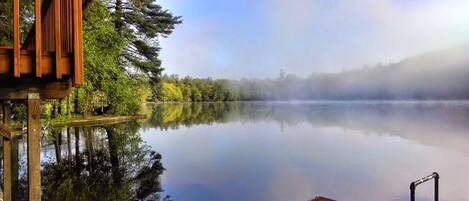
(257, 38)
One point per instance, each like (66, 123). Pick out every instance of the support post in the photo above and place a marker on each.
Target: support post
(34, 168)
(6, 154)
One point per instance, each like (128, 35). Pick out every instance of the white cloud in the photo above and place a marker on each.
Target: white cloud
(305, 36)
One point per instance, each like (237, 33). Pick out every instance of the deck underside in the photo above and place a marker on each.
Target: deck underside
(48, 86)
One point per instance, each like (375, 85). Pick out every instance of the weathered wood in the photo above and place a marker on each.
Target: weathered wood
(34, 166)
(19, 89)
(6, 155)
(38, 46)
(16, 38)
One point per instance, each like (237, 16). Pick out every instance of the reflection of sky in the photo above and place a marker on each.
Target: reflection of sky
(257, 161)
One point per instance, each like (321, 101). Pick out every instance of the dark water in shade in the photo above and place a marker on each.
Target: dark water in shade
(285, 151)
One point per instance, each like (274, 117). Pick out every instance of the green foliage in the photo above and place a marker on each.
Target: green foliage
(172, 115)
(6, 19)
(20, 112)
(171, 92)
(193, 89)
(104, 73)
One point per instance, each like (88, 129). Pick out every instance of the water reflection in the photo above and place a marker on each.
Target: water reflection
(297, 150)
(409, 120)
(94, 163)
(258, 151)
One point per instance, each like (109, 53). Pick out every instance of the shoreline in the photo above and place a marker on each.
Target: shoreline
(96, 120)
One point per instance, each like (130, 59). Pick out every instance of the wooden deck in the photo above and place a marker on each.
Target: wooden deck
(27, 66)
(50, 60)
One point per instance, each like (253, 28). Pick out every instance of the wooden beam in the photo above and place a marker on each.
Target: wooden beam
(16, 38)
(28, 66)
(6, 155)
(34, 136)
(58, 39)
(80, 34)
(19, 90)
(38, 39)
(77, 43)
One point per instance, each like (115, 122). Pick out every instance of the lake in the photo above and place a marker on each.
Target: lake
(281, 151)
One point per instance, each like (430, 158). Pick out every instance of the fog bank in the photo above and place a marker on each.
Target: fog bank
(436, 75)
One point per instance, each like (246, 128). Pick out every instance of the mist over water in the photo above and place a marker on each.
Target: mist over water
(440, 75)
(360, 150)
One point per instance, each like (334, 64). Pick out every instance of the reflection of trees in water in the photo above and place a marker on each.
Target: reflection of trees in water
(98, 163)
(172, 115)
(406, 119)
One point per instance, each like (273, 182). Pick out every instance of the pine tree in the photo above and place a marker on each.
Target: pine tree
(143, 22)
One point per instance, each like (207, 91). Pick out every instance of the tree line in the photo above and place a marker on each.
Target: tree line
(439, 75)
(188, 89)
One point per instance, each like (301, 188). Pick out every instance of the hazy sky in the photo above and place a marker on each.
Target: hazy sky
(257, 38)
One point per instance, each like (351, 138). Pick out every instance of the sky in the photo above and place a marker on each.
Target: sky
(257, 38)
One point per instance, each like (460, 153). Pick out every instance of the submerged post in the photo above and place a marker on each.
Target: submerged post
(34, 168)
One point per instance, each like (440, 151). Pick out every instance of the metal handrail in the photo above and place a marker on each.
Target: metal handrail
(414, 184)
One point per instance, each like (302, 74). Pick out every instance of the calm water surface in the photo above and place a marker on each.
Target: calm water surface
(285, 151)
(295, 151)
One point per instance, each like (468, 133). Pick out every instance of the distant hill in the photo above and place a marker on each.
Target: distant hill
(436, 75)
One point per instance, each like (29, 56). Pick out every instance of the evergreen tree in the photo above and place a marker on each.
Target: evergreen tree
(142, 22)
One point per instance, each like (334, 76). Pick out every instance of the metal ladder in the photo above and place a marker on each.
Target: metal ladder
(414, 184)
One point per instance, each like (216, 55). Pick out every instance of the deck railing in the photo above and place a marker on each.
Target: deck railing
(414, 184)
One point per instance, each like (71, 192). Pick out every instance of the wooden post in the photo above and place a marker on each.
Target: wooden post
(6, 155)
(34, 130)
(16, 38)
(77, 42)
(38, 39)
